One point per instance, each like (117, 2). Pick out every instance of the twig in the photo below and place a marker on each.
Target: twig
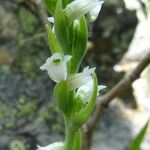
(104, 101)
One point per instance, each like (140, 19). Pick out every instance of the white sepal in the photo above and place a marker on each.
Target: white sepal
(53, 146)
(77, 80)
(56, 66)
(95, 11)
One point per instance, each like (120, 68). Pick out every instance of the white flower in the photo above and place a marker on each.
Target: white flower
(93, 14)
(78, 8)
(56, 66)
(52, 21)
(85, 91)
(77, 80)
(53, 146)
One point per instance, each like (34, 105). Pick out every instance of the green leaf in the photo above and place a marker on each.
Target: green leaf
(61, 28)
(135, 145)
(64, 98)
(79, 118)
(65, 2)
(50, 5)
(80, 36)
(54, 45)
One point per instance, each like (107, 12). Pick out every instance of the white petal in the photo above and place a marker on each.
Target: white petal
(95, 11)
(77, 80)
(101, 87)
(56, 67)
(53, 146)
(51, 19)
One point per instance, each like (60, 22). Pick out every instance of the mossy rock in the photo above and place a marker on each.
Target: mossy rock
(28, 21)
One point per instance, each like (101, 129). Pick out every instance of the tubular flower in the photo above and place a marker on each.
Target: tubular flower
(77, 80)
(56, 66)
(85, 91)
(53, 146)
(78, 8)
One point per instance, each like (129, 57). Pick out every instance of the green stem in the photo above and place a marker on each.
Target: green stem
(70, 137)
(78, 140)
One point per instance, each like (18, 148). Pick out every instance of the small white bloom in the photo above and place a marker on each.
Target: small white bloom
(53, 146)
(78, 8)
(95, 11)
(77, 80)
(85, 91)
(51, 20)
(56, 66)
(101, 87)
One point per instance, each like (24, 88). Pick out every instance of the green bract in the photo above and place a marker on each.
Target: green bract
(54, 45)
(61, 28)
(80, 35)
(50, 5)
(64, 98)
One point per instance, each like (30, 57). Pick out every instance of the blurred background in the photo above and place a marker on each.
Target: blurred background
(118, 40)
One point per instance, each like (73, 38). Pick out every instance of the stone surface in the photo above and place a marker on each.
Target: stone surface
(118, 126)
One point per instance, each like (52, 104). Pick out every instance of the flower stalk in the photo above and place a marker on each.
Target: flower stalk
(75, 92)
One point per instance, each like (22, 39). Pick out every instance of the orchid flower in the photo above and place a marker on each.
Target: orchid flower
(77, 80)
(78, 8)
(53, 146)
(52, 21)
(85, 91)
(56, 66)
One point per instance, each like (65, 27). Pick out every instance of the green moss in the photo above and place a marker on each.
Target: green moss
(26, 108)
(27, 20)
(52, 118)
(7, 115)
(17, 145)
